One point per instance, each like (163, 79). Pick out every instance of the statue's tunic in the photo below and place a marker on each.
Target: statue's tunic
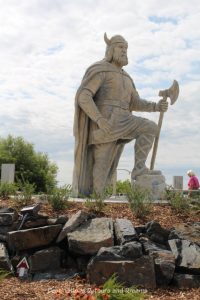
(115, 97)
(110, 93)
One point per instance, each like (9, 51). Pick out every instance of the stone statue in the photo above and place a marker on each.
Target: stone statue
(104, 122)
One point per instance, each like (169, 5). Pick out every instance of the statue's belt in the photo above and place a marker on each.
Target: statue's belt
(119, 103)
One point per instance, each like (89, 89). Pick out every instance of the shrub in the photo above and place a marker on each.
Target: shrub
(179, 203)
(95, 202)
(7, 189)
(35, 167)
(59, 196)
(139, 200)
(4, 274)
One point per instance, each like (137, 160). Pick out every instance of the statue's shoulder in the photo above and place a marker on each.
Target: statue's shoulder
(99, 66)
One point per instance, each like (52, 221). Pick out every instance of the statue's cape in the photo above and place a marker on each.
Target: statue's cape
(83, 160)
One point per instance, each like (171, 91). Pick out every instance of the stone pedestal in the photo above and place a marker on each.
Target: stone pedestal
(154, 183)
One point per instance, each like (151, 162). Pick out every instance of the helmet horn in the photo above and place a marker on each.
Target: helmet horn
(106, 39)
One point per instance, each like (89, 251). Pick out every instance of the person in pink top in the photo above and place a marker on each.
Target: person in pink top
(193, 183)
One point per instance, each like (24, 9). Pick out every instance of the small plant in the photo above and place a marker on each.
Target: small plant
(139, 201)
(179, 203)
(95, 202)
(3, 274)
(26, 192)
(113, 290)
(59, 196)
(7, 189)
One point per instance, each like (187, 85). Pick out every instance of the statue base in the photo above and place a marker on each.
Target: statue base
(154, 183)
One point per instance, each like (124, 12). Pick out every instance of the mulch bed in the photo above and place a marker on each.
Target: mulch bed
(15, 289)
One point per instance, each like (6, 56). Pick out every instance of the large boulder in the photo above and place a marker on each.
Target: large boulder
(8, 216)
(186, 281)
(91, 236)
(187, 231)
(43, 260)
(187, 254)
(129, 251)
(139, 272)
(164, 261)
(156, 233)
(76, 220)
(124, 231)
(31, 238)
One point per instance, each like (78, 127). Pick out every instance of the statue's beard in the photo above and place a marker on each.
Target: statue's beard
(120, 60)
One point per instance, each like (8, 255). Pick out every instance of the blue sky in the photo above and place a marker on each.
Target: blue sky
(46, 45)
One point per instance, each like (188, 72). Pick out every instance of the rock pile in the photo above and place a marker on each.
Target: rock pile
(145, 256)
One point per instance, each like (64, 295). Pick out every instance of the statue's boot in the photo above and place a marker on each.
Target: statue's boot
(143, 146)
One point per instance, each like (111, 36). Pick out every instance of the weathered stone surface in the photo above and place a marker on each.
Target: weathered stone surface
(4, 258)
(31, 238)
(43, 260)
(75, 221)
(124, 231)
(150, 246)
(156, 233)
(164, 267)
(8, 216)
(5, 229)
(35, 222)
(129, 251)
(187, 254)
(62, 274)
(154, 183)
(186, 281)
(138, 273)
(164, 261)
(59, 220)
(189, 231)
(91, 236)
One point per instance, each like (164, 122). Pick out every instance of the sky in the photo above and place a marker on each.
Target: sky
(46, 46)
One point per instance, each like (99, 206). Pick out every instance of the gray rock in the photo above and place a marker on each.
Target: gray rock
(5, 229)
(91, 236)
(59, 275)
(75, 221)
(156, 233)
(4, 258)
(7, 219)
(164, 261)
(31, 238)
(138, 273)
(186, 281)
(129, 251)
(124, 231)
(43, 260)
(187, 231)
(187, 254)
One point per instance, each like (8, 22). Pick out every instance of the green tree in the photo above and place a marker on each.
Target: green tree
(31, 166)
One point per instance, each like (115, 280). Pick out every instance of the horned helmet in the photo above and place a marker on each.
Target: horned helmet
(111, 44)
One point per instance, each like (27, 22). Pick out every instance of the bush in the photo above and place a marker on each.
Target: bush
(139, 201)
(95, 202)
(179, 203)
(26, 192)
(59, 196)
(34, 167)
(7, 189)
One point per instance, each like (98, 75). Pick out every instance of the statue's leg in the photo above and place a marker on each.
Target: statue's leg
(143, 144)
(106, 157)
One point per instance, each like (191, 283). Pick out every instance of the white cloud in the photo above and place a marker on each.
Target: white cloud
(47, 45)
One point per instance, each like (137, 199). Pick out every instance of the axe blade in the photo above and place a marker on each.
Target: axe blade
(172, 92)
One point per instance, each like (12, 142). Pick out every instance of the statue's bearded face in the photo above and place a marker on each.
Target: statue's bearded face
(120, 54)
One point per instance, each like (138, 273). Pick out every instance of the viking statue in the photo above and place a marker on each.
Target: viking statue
(104, 122)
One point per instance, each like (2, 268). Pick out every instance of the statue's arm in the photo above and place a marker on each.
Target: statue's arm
(85, 98)
(138, 104)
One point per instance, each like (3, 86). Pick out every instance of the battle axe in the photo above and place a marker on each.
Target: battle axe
(171, 93)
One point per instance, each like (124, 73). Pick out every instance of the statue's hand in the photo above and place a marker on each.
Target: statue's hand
(162, 106)
(104, 125)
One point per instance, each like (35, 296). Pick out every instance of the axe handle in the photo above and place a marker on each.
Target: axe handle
(155, 146)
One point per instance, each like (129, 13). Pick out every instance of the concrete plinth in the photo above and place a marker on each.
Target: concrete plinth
(154, 183)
